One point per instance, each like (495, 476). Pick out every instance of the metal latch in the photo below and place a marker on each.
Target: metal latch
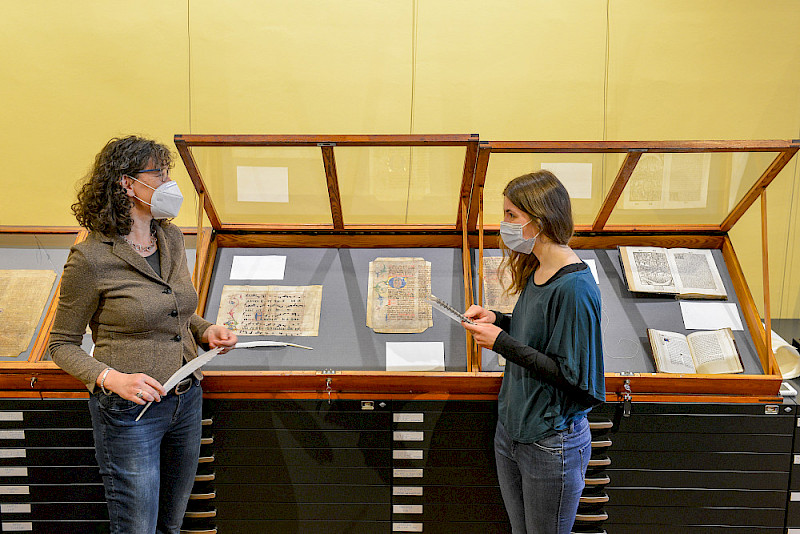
(626, 398)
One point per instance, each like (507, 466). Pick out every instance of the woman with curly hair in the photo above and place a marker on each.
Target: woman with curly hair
(130, 283)
(554, 348)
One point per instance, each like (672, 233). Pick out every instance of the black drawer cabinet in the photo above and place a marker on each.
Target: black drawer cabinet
(49, 480)
(377, 466)
(444, 469)
(300, 466)
(698, 468)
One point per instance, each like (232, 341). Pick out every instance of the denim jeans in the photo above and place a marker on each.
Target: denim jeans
(542, 482)
(148, 466)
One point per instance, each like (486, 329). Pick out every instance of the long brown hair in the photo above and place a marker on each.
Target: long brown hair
(545, 199)
(103, 206)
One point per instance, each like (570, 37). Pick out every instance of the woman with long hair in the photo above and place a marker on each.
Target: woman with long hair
(553, 344)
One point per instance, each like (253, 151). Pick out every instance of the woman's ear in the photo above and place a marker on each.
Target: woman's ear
(126, 183)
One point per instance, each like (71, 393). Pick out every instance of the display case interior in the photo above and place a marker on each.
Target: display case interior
(333, 204)
(22, 252)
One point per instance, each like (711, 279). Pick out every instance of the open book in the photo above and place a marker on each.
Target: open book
(685, 272)
(703, 352)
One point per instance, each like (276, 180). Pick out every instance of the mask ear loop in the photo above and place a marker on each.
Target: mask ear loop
(131, 187)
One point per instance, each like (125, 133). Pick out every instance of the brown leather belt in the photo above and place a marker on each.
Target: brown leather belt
(184, 385)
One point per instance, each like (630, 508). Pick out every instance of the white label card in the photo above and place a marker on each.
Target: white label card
(576, 177)
(258, 267)
(406, 527)
(710, 315)
(10, 416)
(415, 356)
(13, 471)
(262, 184)
(407, 509)
(409, 417)
(407, 455)
(415, 491)
(408, 436)
(12, 434)
(407, 473)
(593, 267)
(16, 526)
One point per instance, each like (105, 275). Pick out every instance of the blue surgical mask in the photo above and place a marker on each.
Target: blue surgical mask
(511, 234)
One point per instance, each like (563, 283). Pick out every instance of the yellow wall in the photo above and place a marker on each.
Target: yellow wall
(77, 73)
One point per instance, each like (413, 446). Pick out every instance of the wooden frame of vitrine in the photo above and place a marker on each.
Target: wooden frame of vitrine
(342, 235)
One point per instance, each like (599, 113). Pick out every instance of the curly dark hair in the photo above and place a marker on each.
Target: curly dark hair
(103, 205)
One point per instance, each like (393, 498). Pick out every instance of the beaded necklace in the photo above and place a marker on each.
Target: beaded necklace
(142, 249)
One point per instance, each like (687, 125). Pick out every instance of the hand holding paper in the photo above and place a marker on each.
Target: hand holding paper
(183, 372)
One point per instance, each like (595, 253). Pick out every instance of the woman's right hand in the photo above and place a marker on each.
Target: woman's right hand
(128, 385)
(480, 315)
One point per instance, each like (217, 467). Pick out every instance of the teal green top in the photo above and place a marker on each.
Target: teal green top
(561, 319)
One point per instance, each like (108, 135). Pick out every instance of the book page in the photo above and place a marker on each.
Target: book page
(696, 272)
(668, 181)
(23, 296)
(397, 296)
(647, 269)
(271, 310)
(714, 352)
(645, 189)
(671, 352)
(495, 280)
(686, 179)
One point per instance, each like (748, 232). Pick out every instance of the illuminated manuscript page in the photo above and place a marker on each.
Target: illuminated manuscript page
(271, 310)
(23, 296)
(495, 280)
(397, 297)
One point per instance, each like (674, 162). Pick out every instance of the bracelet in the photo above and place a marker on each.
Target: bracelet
(103, 381)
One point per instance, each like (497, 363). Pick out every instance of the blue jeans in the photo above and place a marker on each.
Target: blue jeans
(542, 482)
(148, 466)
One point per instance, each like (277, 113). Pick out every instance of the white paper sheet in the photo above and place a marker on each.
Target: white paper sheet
(576, 177)
(593, 267)
(710, 315)
(262, 184)
(415, 356)
(258, 267)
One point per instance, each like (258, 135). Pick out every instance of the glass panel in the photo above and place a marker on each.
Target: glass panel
(266, 185)
(400, 185)
(688, 188)
(586, 177)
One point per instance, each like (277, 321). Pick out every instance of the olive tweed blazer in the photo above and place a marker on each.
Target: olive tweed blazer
(140, 322)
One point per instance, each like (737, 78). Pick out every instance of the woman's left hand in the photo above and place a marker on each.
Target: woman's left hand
(484, 334)
(219, 336)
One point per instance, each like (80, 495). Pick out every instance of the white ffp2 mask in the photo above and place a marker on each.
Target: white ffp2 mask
(166, 200)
